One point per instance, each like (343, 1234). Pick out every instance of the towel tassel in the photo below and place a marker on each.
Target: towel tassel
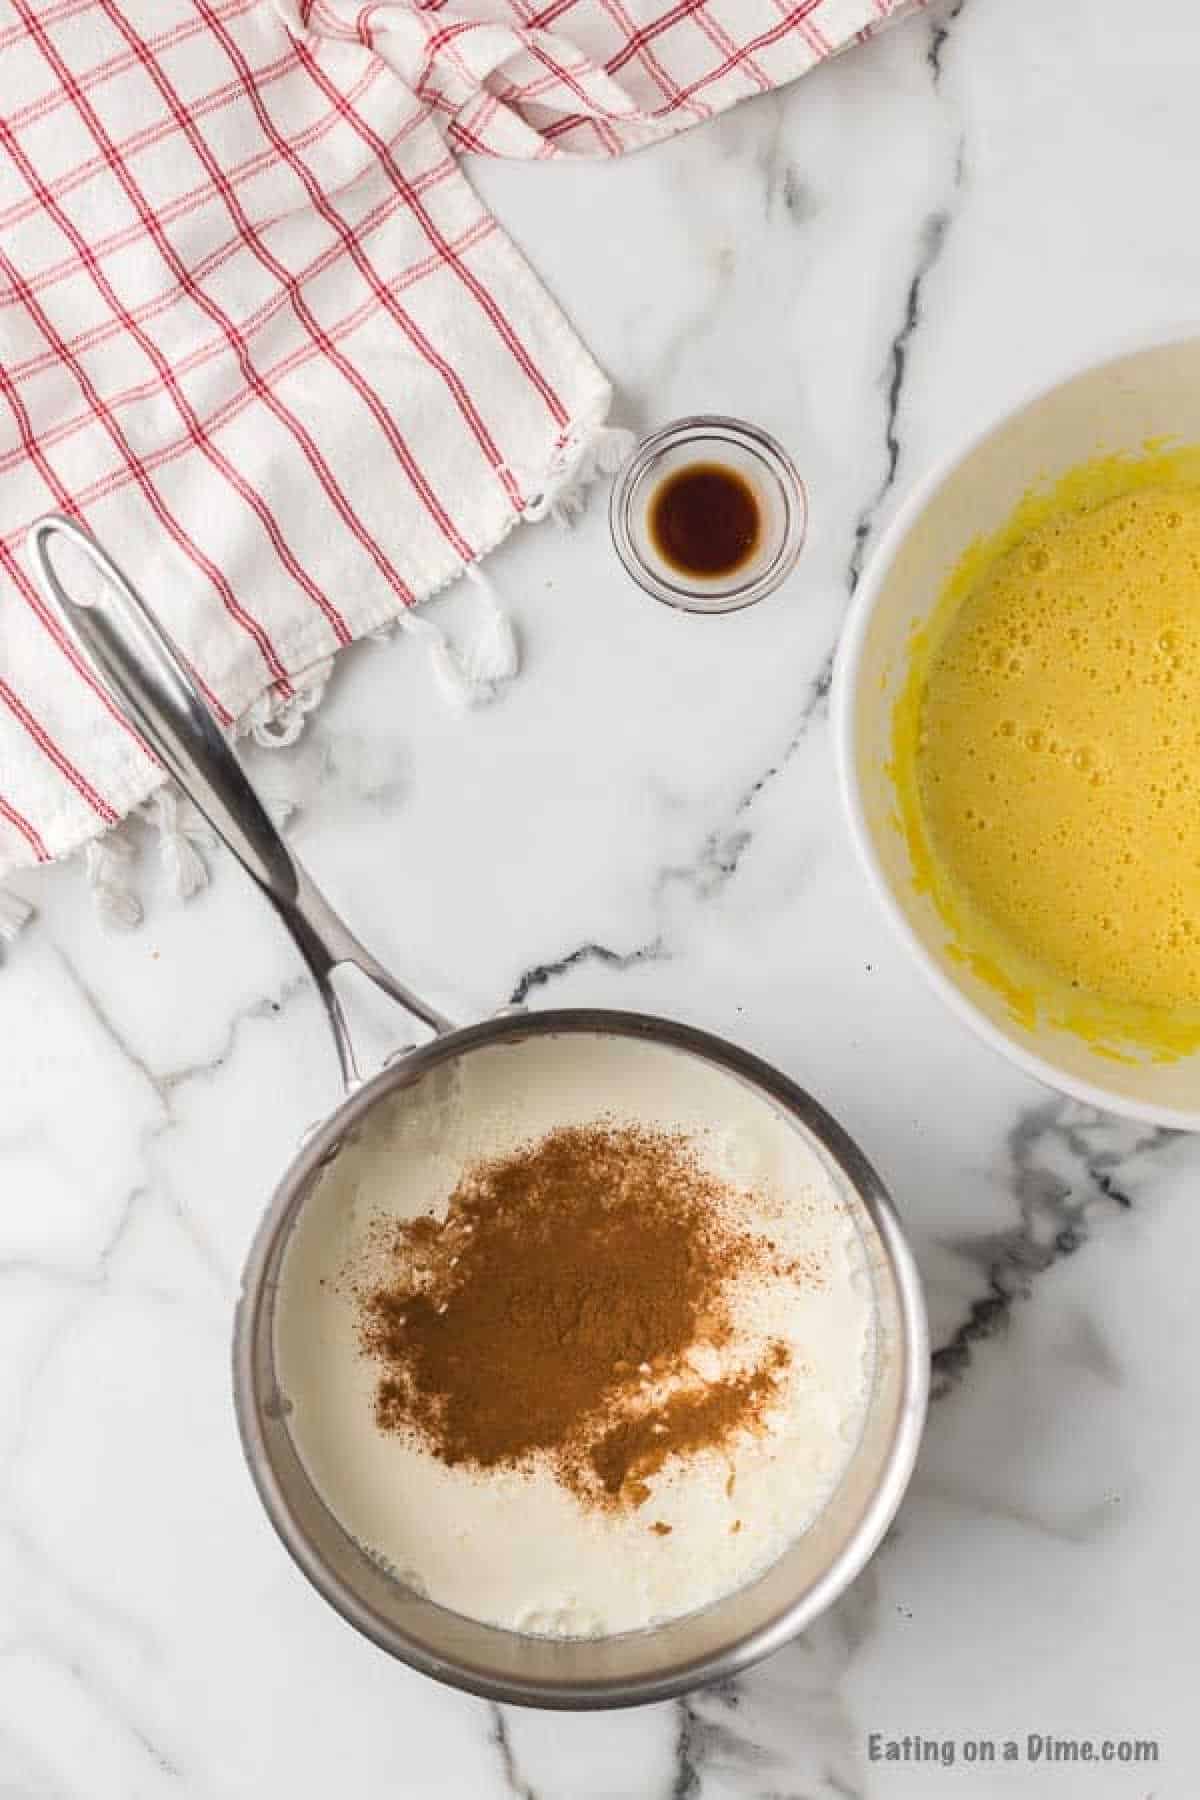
(15, 914)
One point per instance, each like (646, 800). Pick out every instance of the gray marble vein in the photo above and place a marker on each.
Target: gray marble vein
(541, 974)
(931, 240)
(707, 1738)
(1059, 1181)
(514, 1783)
(785, 190)
(940, 27)
(117, 1621)
(94, 1683)
(785, 1727)
(714, 864)
(1081, 1526)
(720, 854)
(165, 1083)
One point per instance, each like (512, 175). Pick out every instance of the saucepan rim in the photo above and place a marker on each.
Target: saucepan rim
(901, 1452)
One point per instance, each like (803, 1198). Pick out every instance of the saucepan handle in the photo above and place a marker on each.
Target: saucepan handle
(158, 694)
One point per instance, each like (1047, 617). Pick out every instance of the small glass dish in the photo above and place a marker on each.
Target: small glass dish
(751, 454)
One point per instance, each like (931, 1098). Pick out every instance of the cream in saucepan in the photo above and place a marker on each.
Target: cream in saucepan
(570, 1505)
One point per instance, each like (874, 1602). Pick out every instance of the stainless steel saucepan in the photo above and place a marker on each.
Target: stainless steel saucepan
(153, 687)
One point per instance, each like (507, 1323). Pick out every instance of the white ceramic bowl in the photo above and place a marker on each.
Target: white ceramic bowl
(1150, 391)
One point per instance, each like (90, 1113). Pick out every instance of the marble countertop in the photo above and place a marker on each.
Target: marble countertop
(869, 264)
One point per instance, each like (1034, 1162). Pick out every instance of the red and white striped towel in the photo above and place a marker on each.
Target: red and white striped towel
(256, 328)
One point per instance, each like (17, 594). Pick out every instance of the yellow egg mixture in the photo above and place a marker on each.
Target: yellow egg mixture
(1047, 755)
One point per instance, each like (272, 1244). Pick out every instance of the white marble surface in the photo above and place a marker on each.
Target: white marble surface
(869, 265)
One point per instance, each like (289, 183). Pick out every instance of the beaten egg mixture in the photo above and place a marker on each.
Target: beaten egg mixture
(1047, 754)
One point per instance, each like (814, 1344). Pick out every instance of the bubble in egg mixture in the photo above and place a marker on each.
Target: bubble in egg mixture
(1053, 756)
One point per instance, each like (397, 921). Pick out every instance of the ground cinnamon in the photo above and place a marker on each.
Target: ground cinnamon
(553, 1311)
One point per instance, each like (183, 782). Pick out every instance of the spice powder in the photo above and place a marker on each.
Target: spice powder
(559, 1311)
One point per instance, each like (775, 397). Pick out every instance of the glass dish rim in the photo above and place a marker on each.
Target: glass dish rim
(692, 596)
